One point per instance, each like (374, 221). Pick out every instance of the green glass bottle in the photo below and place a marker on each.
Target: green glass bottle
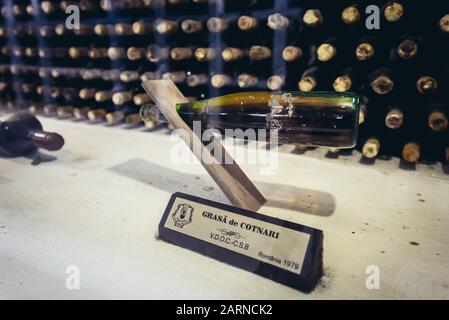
(325, 119)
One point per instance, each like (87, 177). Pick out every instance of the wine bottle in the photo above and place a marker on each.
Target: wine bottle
(190, 26)
(344, 81)
(70, 94)
(46, 31)
(230, 54)
(97, 53)
(47, 53)
(150, 75)
(437, 120)
(277, 21)
(309, 79)
(393, 11)
(30, 10)
(175, 76)
(142, 28)
(407, 49)
(443, 23)
(50, 109)
(180, 53)
(156, 53)
(122, 97)
(78, 52)
(426, 84)
(48, 7)
(84, 30)
(217, 25)
(116, 53)
(19, 10)
(327, 50)
(35, 108)
(259, 53)
(140, 99)
(275, 82)
(314, 119)
(64, 112)
(21, 133)
(134, 53)
(87, 6)
(123, 29)
(133, 119)
(104, 95)
(96, 115)
(112, 5)
(166, 26)
(394, 118)
(381, 81)
(313, 18)
(220, 80)
(363, 109)
(205, 54)
(411, 151)
(366, 49)
(128, 76)
(120, 115)
(371, 147)
(247, 23)
(87, 93)
(246, 80)
(194, 80)
(351, 14)
(103, 30)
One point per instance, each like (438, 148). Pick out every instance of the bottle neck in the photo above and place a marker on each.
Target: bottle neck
(46, 140)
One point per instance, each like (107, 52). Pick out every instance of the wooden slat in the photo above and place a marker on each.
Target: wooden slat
(237, 187)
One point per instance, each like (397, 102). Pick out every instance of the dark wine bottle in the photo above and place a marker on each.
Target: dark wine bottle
(21, 133)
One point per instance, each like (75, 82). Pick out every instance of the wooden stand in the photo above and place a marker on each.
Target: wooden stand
(237, 187)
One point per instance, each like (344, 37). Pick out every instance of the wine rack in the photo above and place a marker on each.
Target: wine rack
(213, 47)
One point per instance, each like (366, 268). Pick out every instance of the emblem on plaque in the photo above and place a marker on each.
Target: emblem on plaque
(182, 215)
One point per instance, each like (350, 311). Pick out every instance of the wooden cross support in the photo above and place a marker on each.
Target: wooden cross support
(237, 187)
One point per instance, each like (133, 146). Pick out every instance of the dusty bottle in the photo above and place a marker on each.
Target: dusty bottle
(326, 119)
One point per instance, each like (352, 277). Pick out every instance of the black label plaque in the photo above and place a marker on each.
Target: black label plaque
(276, 249)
